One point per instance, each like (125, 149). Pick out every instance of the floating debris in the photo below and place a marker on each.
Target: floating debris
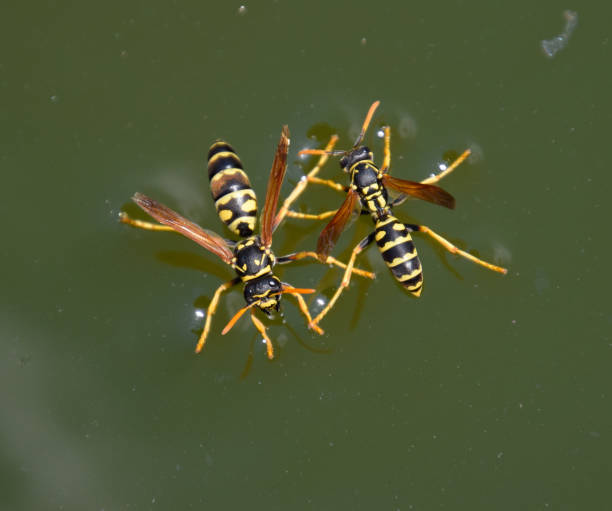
(552, 46)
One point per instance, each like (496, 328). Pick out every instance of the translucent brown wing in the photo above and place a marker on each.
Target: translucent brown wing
(277, 174)
(207, 239)
(429, 193)
(329, 236)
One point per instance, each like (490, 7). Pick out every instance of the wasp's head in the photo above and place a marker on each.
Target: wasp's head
(264, 290)
(355, 156)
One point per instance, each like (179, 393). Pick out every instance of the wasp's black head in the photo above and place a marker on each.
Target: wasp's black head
(261, 290)
(354, 156)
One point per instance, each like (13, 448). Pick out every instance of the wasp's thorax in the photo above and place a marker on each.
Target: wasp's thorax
(266, 291)
(251, 259)
(253, 263)
(366, 180)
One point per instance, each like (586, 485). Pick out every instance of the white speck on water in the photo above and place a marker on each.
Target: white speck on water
(552, 46)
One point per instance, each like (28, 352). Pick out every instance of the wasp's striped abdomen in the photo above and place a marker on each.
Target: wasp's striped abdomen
(234, 198)
(397, 249)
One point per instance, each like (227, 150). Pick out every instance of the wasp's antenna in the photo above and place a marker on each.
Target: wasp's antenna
(287, 289)
(236, 317)
(296, 291)
(321, 151)
(364, 128)
(366, 123)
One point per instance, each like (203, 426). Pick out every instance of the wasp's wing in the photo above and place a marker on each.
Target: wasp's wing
(277, 174)
(329, 236)
(208, 239)
(429, 193)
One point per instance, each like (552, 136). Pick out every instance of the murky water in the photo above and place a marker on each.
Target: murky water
(488, 392)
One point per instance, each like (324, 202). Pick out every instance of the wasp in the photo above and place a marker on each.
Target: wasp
(251, 256)
(368, 191)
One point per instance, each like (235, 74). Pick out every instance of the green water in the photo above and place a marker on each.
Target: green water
(488, 392)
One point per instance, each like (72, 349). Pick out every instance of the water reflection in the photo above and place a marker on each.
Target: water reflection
(552, 46)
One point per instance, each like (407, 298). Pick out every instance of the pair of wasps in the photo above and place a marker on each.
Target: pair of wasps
(252, 257)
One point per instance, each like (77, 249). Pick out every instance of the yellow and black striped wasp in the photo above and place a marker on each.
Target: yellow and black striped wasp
(368, 190)
(251, 257)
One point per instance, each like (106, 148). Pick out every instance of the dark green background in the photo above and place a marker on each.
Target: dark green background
(488, 392)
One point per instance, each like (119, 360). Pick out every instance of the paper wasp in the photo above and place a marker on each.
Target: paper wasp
(251, 257)
(368, 189)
